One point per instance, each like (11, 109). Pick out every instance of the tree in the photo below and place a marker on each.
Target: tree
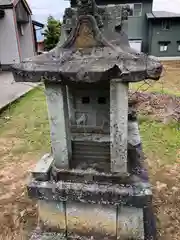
(52, 33)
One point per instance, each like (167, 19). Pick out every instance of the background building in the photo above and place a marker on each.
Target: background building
(39, 37)
(17, 33)
(164, 34)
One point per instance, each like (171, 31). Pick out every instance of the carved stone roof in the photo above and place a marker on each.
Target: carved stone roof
(89, 55)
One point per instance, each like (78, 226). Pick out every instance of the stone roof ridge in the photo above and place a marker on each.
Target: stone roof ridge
(88, 56)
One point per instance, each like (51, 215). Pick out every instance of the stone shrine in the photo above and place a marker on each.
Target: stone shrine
(87, 187)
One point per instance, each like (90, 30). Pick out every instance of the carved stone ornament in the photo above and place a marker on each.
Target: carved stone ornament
(90, 54)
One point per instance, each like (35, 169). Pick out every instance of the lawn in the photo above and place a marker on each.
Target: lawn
(24, 138)
(169, 83)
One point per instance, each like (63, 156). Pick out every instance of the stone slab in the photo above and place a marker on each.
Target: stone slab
(42, 168)
(94, 220)
(47, 236)
(130, 223)
(10, 90)
(138, 195)
(52, 216)
(82, 176)
(89, 221)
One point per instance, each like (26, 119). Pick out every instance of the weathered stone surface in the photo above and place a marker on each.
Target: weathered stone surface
(91, 156)
(42, 170)
(47, 236)
(119, 129)
(87, 56)
(91, 220)
(87, 221)
(130, 223)
(52, 215)
(59, 124)
(83, 176)
(137, 195)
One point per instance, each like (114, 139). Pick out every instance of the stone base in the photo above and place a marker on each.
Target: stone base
(83, 219)
(47, 236)
(91, 210)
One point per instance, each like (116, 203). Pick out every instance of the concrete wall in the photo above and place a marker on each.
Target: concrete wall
(40, 47)
(9, 53)
(156, 35)
(26, 40)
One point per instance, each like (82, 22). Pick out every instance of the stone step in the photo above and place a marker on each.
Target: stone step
(126, 223)
(95, 221)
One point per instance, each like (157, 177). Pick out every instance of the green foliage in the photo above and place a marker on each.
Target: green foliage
(52, 33)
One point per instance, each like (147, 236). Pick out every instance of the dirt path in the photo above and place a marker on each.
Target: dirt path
(11, 90)
(18, 213)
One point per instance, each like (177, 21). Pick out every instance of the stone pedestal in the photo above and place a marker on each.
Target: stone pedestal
(81, 205)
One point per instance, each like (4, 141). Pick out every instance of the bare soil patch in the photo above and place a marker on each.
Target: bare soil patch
(166, 190)
(18, 213)
(162, 107)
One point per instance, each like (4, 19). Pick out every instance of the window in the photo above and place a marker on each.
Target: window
(85, 100)
(102, 100)
(163, 47)
(166, 25)
(135, 10)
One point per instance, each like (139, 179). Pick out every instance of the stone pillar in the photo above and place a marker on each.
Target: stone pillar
(56, 95)
(118, 126)
(71, 105)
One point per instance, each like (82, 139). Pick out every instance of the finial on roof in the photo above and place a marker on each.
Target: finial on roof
(125, 12)
(89, 7)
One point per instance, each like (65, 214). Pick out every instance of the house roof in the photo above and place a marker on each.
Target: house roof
(38, 24)
(13, 3)
(162, 14)
(5, 2)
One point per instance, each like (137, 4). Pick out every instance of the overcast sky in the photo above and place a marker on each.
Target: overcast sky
(43, 8)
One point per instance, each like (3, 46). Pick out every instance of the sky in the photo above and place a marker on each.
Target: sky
(43, 8)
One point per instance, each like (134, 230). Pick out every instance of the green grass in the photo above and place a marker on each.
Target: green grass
(160, 141)
(27, 121)
(154, 88)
